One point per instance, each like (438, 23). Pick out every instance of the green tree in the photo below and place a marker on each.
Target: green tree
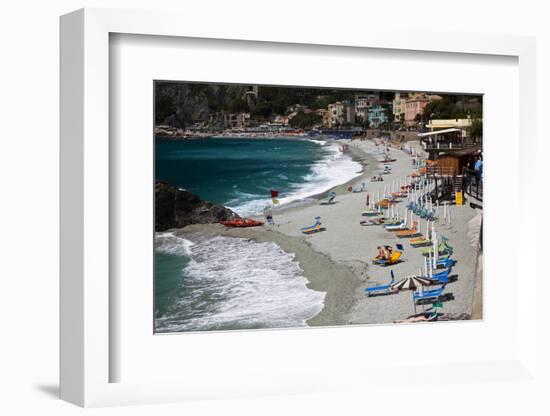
(476, 130)
(239, 105)
(305, 121)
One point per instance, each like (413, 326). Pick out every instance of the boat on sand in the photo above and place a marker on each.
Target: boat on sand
(242, 223)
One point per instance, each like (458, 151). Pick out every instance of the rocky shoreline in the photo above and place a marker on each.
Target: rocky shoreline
(177, 208)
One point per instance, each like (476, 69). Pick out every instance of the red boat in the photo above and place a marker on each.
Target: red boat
(242, 223)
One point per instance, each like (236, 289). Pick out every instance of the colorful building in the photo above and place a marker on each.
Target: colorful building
(398, 106)
(361, 108)
(363, 103)
(414, 106)
(349, 112)
(377, 116)
(336, 114)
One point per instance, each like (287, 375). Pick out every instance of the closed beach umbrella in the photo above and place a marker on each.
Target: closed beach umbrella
(436, 248)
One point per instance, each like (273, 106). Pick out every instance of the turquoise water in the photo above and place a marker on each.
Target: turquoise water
(240, 173)
(225, 283)
(170, 278)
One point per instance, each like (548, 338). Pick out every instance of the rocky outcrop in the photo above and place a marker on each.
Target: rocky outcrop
(176, 208)
(180, 104)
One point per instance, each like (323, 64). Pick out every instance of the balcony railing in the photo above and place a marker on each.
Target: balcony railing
(447, 145)
(473, 183)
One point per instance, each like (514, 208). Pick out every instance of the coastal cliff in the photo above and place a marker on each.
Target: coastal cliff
(176, 208)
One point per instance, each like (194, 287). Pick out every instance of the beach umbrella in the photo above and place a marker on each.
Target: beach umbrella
(425, 267)
(412, 283)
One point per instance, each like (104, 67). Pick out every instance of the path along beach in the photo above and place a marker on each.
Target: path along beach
(338, 261)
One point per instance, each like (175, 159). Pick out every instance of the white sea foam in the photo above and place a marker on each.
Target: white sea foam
(234, 283)
(334, 169)
(317, 141)
(171, 244)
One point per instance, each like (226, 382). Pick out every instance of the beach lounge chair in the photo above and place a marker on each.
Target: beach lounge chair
(371, 213)
(411, 232)
(420, 241)
(380, 290)
(445, 263)
(383, 203)
(362, 188)
(394, 222)
(428, 295)
(329, 199)
(444, 249)
(400, 227)
(315, 228)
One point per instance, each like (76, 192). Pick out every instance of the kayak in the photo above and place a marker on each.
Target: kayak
(242, 223)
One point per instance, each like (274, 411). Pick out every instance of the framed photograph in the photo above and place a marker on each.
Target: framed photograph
(284, 213)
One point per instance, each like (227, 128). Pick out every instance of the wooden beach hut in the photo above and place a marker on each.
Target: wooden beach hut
(453, 163)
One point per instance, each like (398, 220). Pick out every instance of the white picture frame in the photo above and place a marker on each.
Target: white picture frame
(85, 220)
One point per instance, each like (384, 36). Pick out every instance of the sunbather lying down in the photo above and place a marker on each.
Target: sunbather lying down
(384, 253)
(419, 318)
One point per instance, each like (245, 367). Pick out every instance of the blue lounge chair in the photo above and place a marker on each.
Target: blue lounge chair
(441, 277)
(445, 263)
(380, 290)
(313, 228)
(427, 295)
(329, 199)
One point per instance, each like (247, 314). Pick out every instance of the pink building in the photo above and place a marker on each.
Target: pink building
(415, 105)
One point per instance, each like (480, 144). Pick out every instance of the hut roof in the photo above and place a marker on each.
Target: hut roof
(462, 152)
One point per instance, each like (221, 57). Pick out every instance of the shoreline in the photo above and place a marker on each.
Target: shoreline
(317, 268)
(368, 164)
(337, 261)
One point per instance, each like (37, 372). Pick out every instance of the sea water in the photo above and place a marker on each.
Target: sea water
(240, 173)
(224, 283)
(221, 283)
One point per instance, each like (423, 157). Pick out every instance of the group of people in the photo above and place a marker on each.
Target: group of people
(384, 252)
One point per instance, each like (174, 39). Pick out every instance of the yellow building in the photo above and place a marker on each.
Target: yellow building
(453, 123)
(398, 105)
(336, 114)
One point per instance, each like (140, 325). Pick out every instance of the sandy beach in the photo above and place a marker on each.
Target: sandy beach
(337, 261)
